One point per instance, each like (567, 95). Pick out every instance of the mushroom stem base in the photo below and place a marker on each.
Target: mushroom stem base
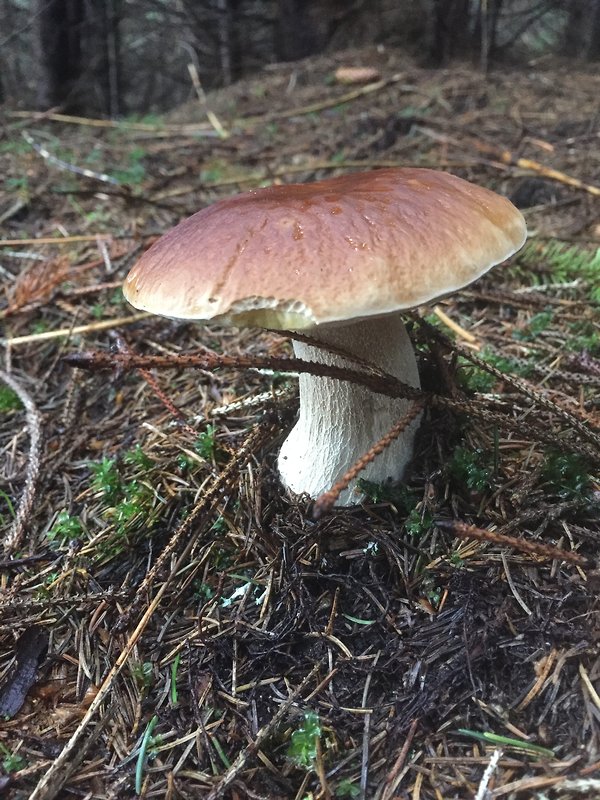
(340, 421)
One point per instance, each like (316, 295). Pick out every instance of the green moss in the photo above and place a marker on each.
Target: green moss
(402, 498)
(65, 528)
(537, 324)
(9, 400)
(418, 523)
(562, 262)
(470, 469)
(567, 474)
(585, 337)
(302, 748)
(106, 479)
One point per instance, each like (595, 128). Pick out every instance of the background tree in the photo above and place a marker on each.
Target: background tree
(59, 27)
(78, 55)
(110, 57)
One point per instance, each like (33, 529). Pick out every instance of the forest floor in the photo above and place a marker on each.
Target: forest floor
(171, 623)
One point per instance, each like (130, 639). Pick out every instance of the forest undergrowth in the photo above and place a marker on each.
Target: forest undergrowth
(172, 624)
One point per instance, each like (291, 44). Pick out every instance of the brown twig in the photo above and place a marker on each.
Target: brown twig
(505, 156)
(391, 779)
(96, 360)
(57, 240)
(34, 420)
(464, 531)
(387, 385)
(102, 325)
(326, 501)
(331, 102)
(162, 396)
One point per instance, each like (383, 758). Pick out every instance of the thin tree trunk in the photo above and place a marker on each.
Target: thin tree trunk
(451, 30)
(574, 36)
(593, 50)
(59, 26)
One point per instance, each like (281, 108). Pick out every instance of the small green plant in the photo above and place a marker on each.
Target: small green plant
(106, 479)
(135, 172)
(143, 674)
(212, 175)
(15, 146)
(132, 506)
(65, 528)
(347, 788)
(505, 363)
(11, 761)
(567, 474)
(585, 336)
(146, 747)
(138, 458)
(9, 400)
(302, 748)
(202, 591)
(402, 498)
(11, 509)
(135, 504)
(431, 590)
(220, 525)
(473, 378)
(469, 469)
(564, 262)
(116, 298)
(40, 326)
(205, 444)
(456, 560)
(507, 741)
(537, 324)
(418, 523)
(20, 184)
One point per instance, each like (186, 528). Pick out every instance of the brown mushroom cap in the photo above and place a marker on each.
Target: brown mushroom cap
(355, 246)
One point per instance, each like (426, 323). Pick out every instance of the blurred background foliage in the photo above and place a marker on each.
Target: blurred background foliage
(117, 57)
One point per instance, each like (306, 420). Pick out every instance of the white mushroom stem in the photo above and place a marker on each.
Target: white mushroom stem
(340, 421)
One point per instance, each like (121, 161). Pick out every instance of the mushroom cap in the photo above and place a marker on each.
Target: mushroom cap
(294, 256)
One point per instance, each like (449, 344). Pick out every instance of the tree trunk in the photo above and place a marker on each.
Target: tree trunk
(59, 31)
(451, 26)
(102, 57)
(304, 27)
(574, 36)
(593, 50)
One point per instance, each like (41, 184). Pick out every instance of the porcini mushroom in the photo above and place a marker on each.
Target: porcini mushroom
(338, 259)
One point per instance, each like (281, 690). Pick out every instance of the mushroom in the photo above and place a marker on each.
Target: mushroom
(338, 259)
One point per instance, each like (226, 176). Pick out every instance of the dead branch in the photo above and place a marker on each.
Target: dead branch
(34, 423)
(464, 531)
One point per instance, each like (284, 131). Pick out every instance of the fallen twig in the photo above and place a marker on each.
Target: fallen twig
(381, 384)
(505, 156)
(34, 421)
(327, 500)
(464, 531)
(103, 325)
